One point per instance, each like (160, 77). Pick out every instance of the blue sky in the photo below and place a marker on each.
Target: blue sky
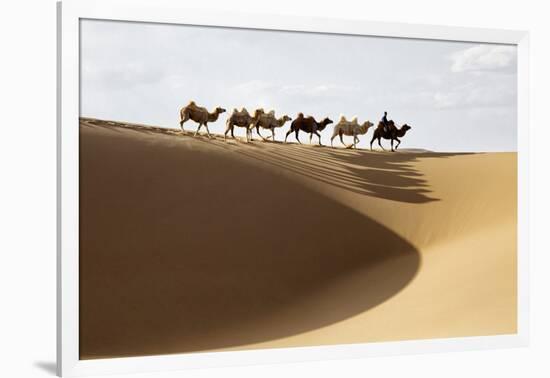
(457, 96)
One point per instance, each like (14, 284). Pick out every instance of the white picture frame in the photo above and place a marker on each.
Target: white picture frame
(171, 11)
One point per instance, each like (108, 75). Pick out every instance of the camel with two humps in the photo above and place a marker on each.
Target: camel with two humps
(200, 115)
(350, 128)
(391, 132)
(242, 118)
(270, 122)
(309, 125)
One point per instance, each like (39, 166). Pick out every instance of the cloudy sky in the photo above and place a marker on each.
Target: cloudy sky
(456, 96)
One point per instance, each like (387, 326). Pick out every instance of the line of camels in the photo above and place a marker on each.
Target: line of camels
(261, 119)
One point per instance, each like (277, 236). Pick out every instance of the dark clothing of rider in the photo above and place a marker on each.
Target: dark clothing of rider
(385, 122)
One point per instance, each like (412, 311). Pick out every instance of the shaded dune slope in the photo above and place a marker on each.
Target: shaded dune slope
(188, 245)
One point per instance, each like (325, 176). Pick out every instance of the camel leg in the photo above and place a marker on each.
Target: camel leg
(310, 136)
(342, 139)
(258, 131)
(391, 142)
(183, 119)
(273, 134)
(287, 134)
(380, 144)
(207, 131)
(398, 143)
(296, 133)
(227, 128)
(319, 136)
(371, 141)
(198, 128)
(331, 139)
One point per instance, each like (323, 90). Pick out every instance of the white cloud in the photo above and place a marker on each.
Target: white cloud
(319, 90)
(261, 87)
(475, 94)
(256, 86)
(484, 58)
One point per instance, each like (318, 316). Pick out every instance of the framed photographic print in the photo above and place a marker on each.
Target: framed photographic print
(248, 188)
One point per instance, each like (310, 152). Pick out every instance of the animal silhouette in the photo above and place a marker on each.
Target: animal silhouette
(270, 122)
(392, 133)
(241, 118)
(309, 125)
(200, 115)
(350, 128)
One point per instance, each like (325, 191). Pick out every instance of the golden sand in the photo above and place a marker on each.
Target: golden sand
(194, 244)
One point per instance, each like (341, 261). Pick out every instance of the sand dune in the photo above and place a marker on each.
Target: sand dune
(190, 244)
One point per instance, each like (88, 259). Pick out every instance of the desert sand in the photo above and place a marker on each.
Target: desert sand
(192, 244)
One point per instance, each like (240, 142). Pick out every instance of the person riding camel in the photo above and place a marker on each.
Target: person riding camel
(385, 122)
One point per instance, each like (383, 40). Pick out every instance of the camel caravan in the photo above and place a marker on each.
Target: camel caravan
(259, 119)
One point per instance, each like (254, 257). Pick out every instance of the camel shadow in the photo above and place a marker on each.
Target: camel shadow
(387, 175)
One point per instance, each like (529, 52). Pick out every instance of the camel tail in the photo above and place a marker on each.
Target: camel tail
(182, 111)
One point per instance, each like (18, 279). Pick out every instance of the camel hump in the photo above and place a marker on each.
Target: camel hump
(191, 103)
(300, 115)
(342, 118)
(354, 119)
(271, 112)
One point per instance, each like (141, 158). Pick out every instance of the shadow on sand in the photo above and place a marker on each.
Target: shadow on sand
(380, 174)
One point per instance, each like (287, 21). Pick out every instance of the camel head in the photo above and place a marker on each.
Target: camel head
(405, 127)
(286, 118)
(367, 125)
(219, 110)
(324, 123)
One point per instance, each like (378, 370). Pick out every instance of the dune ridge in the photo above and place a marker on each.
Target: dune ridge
(287, 245)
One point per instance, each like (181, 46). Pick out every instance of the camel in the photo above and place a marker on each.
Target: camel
(309, 125)
(350, 128)
(241, 118)
(269, 121)
(393, 134)
(199, 115)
